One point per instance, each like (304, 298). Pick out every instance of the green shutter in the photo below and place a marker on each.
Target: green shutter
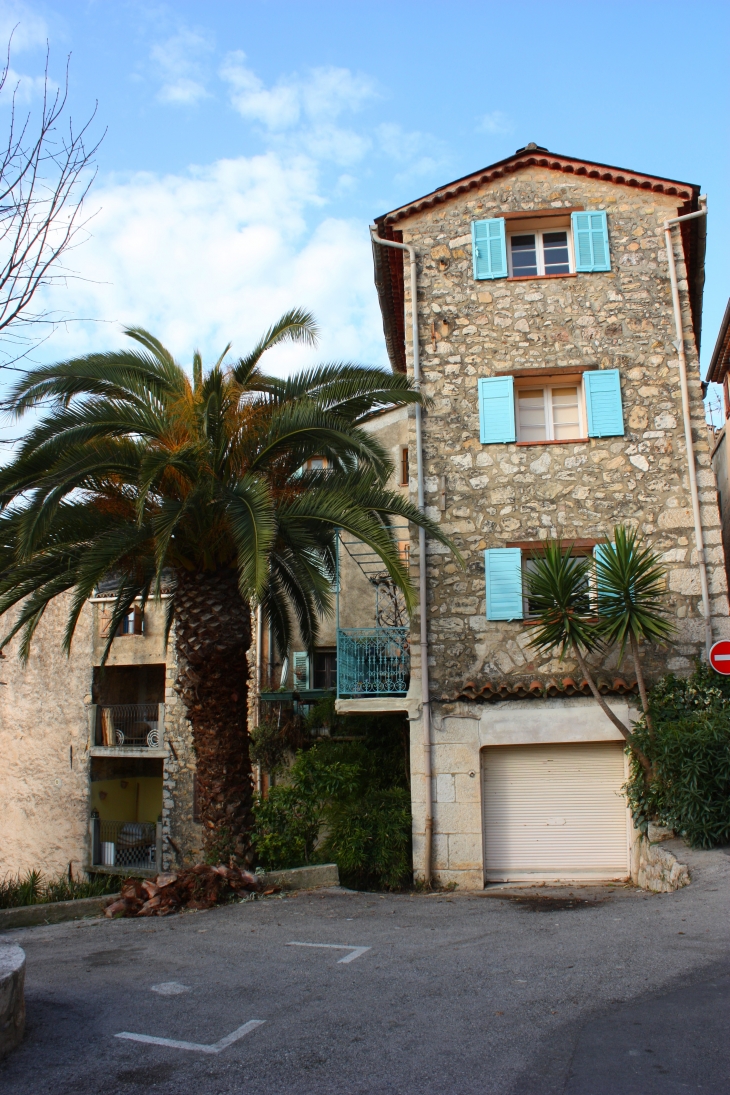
(496, 410)
(603, 403)
(300, 664)
(503, 572)
(590, 240)
(489, 249)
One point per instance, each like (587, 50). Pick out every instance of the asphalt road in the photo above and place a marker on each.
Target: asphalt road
(577, 992)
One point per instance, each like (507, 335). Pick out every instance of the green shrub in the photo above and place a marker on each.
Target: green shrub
(32, 889)
(690, 753)
(369, 837)
(343, 801)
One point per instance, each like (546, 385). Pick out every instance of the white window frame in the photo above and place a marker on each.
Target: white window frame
(538, 233)
(548, 407)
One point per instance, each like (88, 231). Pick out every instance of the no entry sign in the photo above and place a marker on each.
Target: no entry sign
(720, 657)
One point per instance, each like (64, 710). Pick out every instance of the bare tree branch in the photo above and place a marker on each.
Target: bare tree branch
(46, 171)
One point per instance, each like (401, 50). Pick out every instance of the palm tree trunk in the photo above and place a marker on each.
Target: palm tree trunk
(213, 636)
(642, 685)
(609, 713)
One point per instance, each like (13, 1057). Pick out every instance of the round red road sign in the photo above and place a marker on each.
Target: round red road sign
(720, 657)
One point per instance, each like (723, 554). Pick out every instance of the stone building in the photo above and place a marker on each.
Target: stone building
(98, 769)
(549, 350)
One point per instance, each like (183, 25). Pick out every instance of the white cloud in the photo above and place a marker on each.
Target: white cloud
(495, 122)
(178, 64)
(215, 255)
(27, 27)
(23, 88)
(318, 98)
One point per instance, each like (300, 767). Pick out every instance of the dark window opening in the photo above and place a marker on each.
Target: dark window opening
(325, 669)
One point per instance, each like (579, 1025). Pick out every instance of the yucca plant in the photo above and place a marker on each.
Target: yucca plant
(631, 584)
(143, 473)
(562, 602)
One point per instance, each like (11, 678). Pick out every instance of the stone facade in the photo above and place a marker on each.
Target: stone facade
(502, 494)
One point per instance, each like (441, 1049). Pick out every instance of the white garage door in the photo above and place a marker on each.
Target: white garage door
(554, 811)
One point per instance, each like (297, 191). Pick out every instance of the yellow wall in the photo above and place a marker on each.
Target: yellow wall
(120, 801)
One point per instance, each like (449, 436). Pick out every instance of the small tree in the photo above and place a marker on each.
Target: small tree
(631, 589)
(561, 599)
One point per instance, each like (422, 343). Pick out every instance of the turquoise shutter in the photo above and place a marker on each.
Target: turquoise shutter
(603, 403)
(503, 567)
(489, 249)
(590, 240)
(300, 663)
(496, 410)
(599, 554)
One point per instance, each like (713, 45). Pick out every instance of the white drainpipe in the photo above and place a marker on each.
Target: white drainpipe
(422, 591)
(679, 344)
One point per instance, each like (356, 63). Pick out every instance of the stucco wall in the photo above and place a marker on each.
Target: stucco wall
(44, 748)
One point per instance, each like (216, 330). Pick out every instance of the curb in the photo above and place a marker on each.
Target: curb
(54, 912)
(12, 999)
(304, 878)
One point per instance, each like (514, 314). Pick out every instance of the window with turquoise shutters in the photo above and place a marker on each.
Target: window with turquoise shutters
(496, 410)
(489, 249)
(503, 569)
(590, 241)
(603, 403)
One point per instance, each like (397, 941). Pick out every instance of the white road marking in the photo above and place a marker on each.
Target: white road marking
(216, 1047)
(170, 988)
(721, 657)
(356, 951)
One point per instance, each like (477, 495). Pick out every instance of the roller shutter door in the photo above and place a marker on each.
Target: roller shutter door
(554, 812)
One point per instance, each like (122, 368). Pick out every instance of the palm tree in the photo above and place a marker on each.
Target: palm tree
(560, 598)
(136, 471)
(631, 588)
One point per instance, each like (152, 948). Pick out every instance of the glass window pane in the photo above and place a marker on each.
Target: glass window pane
(566, 419)
(555, 252)
(531, 414)
(524, 256)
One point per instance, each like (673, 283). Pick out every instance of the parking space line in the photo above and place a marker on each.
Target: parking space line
(197, 1047)
(356, 951)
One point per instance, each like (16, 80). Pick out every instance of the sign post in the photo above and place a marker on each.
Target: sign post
(720, 657)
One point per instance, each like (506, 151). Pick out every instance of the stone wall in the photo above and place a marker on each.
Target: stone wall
(498, 494)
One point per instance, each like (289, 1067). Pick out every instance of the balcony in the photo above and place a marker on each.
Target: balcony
(121, 846)
(373, 661)
(127, 729)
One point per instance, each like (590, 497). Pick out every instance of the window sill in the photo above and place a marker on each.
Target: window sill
(569, 441)
(541, 277)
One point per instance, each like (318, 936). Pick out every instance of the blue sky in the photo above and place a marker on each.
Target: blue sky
(249, 144)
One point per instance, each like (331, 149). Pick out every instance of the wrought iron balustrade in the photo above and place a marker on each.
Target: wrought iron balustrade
(129, 725)
(126, 844)
(373, 661)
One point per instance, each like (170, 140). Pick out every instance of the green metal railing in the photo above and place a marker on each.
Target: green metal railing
(373, 661)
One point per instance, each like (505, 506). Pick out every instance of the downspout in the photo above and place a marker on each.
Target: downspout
(259, 674)
(679, 345)
(422, 590)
